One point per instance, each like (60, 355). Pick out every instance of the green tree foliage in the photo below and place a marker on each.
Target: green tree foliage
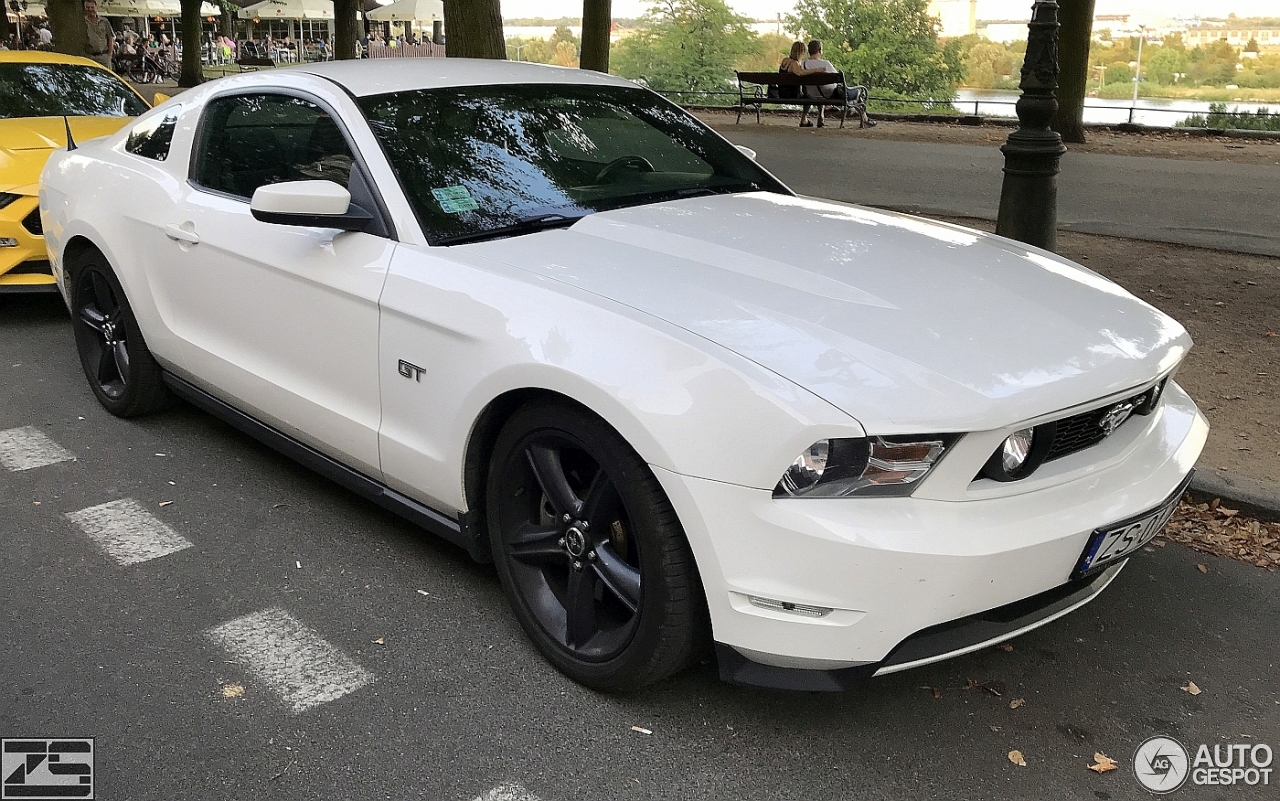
(561, 49)
(1218, 117)
(1118, 72)
(1212, 65)
(991, 65)
(889, 44)
(686, 45)
(1164, 66)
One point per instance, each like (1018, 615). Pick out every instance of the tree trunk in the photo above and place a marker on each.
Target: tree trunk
(5, 27)
(226, 22)
(473, 29)
(1076, 17)
(596, 18)
(66, 23)
(345, 28)
(192, 73)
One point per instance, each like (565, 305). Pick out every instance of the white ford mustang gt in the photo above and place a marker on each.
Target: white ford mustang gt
(557, 320)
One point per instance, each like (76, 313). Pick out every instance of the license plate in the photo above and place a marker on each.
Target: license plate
(1122, 539)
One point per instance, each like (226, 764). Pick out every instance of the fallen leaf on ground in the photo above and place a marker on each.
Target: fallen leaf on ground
(423, 592)
(380, 641)
(937, 691)
(1006, 647)
(641, 730)
(1104, 763)
(233, 691)
(1216, 530)
(165, 503)
(1016, 758)
(1192, 688)
(1017, 702)
(994, 728)
(1202, 568)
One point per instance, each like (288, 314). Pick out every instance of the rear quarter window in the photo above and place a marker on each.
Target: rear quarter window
(151, 138)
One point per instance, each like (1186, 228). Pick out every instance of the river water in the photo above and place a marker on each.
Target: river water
(1149, 111)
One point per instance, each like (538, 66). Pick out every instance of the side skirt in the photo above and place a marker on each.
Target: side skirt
(461, 532)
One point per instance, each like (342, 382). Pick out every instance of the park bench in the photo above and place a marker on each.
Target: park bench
(754, 90)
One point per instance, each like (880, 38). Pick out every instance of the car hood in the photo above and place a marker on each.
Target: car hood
(26, 142)
(903, 323)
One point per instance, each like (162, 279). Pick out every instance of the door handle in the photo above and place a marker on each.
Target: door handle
(180, 234)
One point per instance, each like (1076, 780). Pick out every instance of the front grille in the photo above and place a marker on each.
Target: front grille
(1080, 431)
(32, 223)
(33, 267)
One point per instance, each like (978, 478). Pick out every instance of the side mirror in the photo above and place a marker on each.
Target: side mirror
(313, 204)
(158, 98)
(746, 151)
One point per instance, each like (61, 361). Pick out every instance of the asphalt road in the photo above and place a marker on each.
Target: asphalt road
(455, 703)
(1209, 204)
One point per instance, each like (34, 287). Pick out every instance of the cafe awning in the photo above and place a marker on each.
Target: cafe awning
(406, 10)
(288, 9)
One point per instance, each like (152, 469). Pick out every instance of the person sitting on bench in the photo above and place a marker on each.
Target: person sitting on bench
(791, 64)
(855, 98)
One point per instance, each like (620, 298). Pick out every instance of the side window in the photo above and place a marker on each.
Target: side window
(248, 141)
(151, 137)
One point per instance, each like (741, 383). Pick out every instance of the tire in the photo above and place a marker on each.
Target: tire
(621, 542)
(121, 371)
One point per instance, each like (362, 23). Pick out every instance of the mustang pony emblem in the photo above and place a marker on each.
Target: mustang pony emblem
(1115, 416)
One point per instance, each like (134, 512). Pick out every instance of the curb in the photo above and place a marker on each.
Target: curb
(1251, 497)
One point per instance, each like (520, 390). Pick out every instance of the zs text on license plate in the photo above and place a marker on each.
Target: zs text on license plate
(1121, 539)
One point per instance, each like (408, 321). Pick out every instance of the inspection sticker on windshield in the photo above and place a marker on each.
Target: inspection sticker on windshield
(455, 199)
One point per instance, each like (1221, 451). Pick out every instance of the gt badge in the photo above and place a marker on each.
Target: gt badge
(1115, 416)
(409, 370)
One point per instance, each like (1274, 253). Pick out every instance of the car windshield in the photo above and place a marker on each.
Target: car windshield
(485, 161)
(72, 90)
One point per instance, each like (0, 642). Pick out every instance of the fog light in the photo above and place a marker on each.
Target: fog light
(8, 242)
(786, 606)
(1016, 449)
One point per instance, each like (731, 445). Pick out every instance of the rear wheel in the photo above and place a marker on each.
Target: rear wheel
(121, 371)
(590, 552)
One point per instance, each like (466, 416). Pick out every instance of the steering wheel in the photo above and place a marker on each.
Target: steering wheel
(636, 162)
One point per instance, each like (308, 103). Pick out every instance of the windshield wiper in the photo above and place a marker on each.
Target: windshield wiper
(525, 225)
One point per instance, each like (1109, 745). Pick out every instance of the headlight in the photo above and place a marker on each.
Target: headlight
(6, 198)
(868, 466)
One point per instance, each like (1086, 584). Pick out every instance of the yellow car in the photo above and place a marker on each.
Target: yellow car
(42, 95)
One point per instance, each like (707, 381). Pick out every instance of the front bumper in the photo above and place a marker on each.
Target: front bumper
(893, 568)
(24, 264)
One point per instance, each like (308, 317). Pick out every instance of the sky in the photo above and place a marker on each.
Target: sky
(987, 9)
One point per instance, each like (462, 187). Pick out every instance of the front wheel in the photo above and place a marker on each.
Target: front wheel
(121, 371)
(590, 552)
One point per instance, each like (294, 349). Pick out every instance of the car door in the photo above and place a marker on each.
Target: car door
(280, 320)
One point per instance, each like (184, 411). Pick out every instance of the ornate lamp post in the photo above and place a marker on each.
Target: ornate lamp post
(1029, 197)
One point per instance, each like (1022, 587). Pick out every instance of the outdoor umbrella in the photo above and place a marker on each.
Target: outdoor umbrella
(409, 10)
(288, 9)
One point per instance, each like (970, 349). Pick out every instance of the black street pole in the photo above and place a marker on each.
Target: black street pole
(1029, 197)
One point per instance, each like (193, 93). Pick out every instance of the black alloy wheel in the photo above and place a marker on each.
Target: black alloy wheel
(121, 371)
(590, 551)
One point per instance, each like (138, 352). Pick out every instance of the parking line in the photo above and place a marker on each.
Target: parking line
(127, 532)
(507, 792)
(25, 448)
(303, 668)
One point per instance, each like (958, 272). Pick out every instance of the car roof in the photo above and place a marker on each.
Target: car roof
(45, 57)
(363, 77)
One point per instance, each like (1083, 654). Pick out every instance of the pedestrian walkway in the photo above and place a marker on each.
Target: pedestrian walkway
(1220, 205)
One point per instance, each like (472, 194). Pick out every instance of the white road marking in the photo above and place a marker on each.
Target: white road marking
(127, 532)
(294, 661)
(25, 448)
(507, 792)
